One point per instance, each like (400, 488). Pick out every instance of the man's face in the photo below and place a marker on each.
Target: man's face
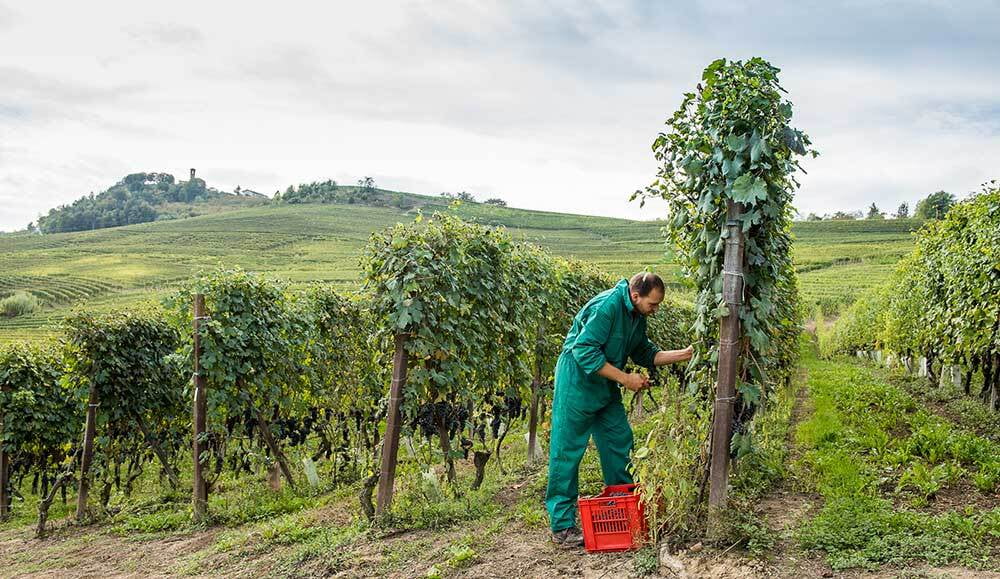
(647, 305)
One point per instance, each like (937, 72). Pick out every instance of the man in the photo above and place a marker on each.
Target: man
(588, 400)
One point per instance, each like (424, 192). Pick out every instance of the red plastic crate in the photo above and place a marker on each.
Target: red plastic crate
(613, 523)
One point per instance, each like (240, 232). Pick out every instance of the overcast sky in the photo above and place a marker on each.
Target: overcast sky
(549, 105)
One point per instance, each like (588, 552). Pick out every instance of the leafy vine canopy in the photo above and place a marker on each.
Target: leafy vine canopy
(732, 141)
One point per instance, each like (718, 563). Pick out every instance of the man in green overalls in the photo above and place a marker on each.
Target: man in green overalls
(588, 400)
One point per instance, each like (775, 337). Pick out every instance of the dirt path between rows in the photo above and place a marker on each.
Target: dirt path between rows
(788, 506)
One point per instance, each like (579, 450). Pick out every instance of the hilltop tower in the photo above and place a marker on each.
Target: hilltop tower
(192, 173)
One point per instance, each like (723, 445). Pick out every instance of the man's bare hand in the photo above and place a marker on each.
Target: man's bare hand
(635, 382)
(664, 357)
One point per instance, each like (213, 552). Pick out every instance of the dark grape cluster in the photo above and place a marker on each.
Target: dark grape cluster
(454, 416)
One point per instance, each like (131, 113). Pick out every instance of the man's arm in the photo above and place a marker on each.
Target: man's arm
(664, 357)
(633, 382)
(589, 354)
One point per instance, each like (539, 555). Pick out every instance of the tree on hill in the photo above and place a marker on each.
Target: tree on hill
(330, 192)
(316, 192)
(367, 185)
(843, 215)
(903, 211)
(138, 181)
(814, 217)
(874, 213)
(934, 206)
(496, 201)
(132, 200)
(461, 196)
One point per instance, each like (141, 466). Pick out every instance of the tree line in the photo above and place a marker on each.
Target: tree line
(934, 206)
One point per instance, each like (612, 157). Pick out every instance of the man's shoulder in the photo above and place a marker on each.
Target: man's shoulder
(608, 301)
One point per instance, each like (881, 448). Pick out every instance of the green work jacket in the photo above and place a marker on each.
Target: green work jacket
(607, 329)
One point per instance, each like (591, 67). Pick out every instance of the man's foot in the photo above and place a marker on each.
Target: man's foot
(570, 538)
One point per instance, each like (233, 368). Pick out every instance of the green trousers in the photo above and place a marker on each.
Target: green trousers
(580, 410)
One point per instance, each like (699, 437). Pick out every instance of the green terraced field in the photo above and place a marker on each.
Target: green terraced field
(837, 260)
(108, 268)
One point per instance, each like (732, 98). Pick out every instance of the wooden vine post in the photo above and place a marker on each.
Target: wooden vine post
(533, 421)
(393, 424)
(536, 384)
(200, 494)
(4, 471)
(93, 402)
(730, 339)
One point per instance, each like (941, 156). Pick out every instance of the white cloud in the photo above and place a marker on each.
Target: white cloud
(550, 106)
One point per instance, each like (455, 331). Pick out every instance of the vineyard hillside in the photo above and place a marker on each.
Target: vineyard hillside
(112, 267)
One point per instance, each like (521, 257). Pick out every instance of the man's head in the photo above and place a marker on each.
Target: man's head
(646, 290)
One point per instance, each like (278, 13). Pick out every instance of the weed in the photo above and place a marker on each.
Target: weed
(849, 461)
(461, 556)
(927, 480)
(744, 527)
(532, 514)
(155, 522)
(988, 478)
(646, 561)
(931, 441)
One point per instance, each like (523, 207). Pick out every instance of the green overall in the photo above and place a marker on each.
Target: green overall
(607, 329)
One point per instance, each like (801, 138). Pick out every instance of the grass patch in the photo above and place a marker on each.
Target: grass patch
(760, 471)
(868, 442)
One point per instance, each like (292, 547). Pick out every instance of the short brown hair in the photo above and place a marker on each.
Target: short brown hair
(645, 282)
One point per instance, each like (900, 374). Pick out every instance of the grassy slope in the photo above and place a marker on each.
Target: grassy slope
(900, 483)
(111, 267)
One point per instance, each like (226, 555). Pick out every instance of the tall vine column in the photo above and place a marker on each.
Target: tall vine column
(730, 339)
(728, 173)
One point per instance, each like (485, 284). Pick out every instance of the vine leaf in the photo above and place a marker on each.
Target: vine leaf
(747, 189)
(750, 392)
(736, 143)
(758, 149)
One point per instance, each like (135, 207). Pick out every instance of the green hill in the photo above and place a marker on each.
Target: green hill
(141, 198)
(106, 268)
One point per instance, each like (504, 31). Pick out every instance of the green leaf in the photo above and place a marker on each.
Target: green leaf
(694, 167)
(750, 393)
(793, 140)
(758, 149)
(748, 189)
(736, 143)
(742, 191)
